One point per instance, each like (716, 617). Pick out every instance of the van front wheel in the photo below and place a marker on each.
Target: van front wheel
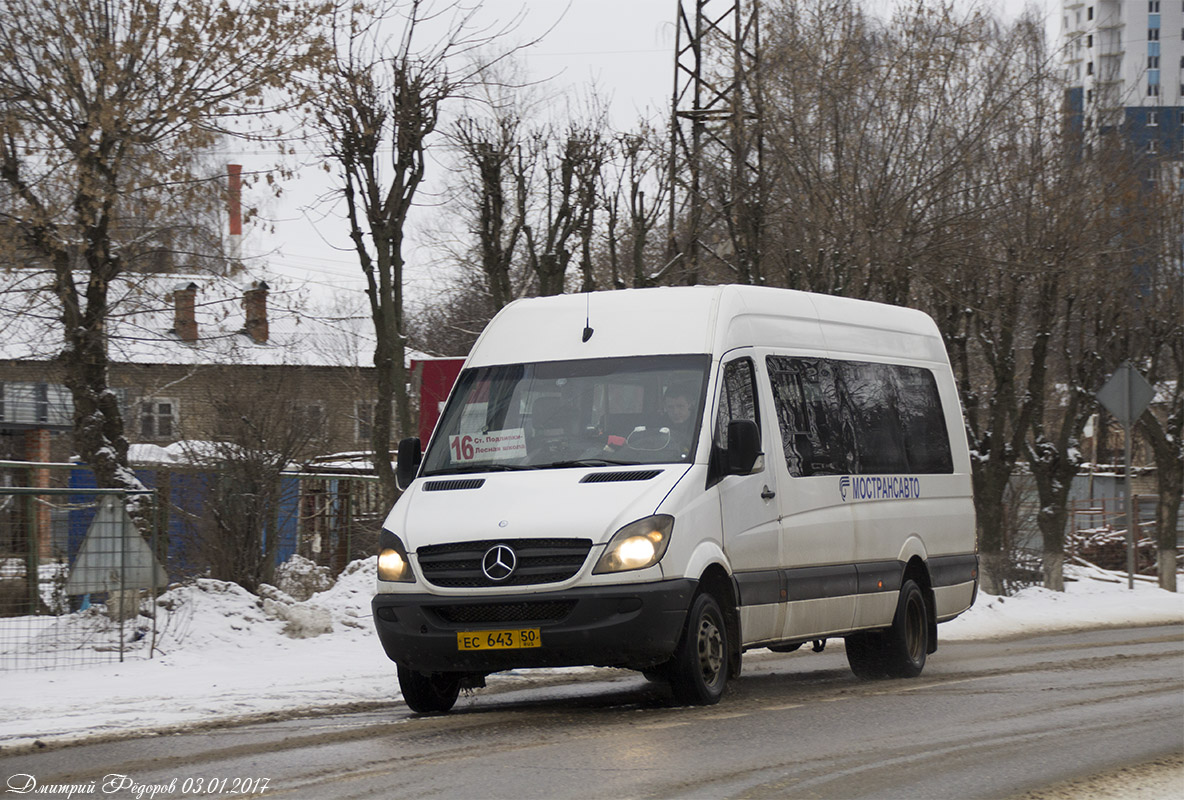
(428, 692)
(698, 671)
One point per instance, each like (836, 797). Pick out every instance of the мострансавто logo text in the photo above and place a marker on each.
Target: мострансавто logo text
(891, 487)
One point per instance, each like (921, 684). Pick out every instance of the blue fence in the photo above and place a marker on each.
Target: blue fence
(183, 500)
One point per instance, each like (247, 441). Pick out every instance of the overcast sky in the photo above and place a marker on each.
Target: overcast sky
(624, 48)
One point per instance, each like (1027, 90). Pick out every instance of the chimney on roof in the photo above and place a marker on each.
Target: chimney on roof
(255, 305)
(184, 321)
(234, 211)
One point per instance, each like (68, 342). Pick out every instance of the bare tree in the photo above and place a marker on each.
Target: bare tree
(1058, 212)
(495, 188)
(260, 428)
(871, 162)
(890, 177)
(1158, 326)
(1165, 437)
(379, 110)
(103, 107)
(568, 161)
(634, 191)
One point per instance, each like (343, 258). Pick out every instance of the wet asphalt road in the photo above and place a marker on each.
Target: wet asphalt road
(985, 720)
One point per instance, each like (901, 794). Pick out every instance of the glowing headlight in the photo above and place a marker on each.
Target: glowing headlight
(638, 545)
(636, 551)
(392, 559)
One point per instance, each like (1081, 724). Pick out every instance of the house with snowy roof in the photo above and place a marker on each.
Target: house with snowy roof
(193, 359)
(182, 348)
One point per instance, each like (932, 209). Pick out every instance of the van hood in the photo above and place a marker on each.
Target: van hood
(547, 503)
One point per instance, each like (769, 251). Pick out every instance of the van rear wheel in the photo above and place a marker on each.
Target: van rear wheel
(865, 655)
(698, 671)
(907, 641)
(429, 692)
(900, 651)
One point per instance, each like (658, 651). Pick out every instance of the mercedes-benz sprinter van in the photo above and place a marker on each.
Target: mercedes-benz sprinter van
(661, 479)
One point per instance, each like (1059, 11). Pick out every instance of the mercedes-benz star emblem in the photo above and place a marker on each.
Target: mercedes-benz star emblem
(499, 562)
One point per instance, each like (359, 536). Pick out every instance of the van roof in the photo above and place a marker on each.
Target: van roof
(704, 319)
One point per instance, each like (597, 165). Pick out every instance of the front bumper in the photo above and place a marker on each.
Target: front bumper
(636, 625)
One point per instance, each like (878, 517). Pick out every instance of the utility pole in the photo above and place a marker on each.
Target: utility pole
(718, 188)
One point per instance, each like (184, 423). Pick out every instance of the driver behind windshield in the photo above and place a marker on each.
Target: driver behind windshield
(679, 413)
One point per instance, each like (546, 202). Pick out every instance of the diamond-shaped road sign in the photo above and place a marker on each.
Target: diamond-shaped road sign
(1126, 395)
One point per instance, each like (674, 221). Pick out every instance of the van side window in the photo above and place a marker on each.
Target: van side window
(854, 417)
(737, 398)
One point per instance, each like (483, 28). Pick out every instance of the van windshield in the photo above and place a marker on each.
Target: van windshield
(595, 412)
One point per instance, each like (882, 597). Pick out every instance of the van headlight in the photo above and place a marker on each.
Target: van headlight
(393, 564)
(638, 545)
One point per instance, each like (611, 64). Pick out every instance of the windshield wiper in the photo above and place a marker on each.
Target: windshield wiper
(588, 462)
(478, 468)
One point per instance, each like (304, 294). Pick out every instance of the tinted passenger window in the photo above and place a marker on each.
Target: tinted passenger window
(854, 417)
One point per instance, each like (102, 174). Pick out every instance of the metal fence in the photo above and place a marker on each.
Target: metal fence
(1098, 527)
(338, 518)
(80, 575)
(70, 600)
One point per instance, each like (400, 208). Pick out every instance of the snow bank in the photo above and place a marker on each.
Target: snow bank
(1093, 598)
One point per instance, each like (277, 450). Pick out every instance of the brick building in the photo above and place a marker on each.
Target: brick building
(192, 359)
(182, 349)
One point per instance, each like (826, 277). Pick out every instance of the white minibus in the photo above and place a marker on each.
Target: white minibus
(662, 479)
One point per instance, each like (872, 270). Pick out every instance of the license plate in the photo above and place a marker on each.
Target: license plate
(499, 640)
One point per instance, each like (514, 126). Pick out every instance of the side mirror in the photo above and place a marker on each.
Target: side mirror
(407, 462)
(744, 447)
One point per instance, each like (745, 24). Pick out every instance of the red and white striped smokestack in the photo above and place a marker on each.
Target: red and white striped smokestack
(235, 211)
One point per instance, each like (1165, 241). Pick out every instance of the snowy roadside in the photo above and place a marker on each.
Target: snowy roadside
(223, 655)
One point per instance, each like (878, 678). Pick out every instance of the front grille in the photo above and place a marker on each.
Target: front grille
(539, 561)
(505, 612)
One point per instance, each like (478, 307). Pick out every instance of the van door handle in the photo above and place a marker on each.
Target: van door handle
(767, 493)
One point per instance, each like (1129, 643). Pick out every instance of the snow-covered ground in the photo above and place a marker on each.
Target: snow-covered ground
(223, 653)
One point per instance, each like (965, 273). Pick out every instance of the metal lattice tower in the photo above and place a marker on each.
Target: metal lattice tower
(718, 192)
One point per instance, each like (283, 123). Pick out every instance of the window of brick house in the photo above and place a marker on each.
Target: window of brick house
(158, 418)
(312, 418)
(363, 420)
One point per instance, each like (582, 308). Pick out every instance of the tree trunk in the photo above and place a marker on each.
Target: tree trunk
(991, 568)
(385, 375)
(990, 486)
(551, 274)
(1054, 570)
(1166, 567)
(98, 424)
(1167, 515)
(1052, 487)
(1169, 478)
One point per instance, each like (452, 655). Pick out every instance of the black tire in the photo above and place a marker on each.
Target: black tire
(900, 651)
(429, 692)
(865, 654)
(906, 643)
(698, 670)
